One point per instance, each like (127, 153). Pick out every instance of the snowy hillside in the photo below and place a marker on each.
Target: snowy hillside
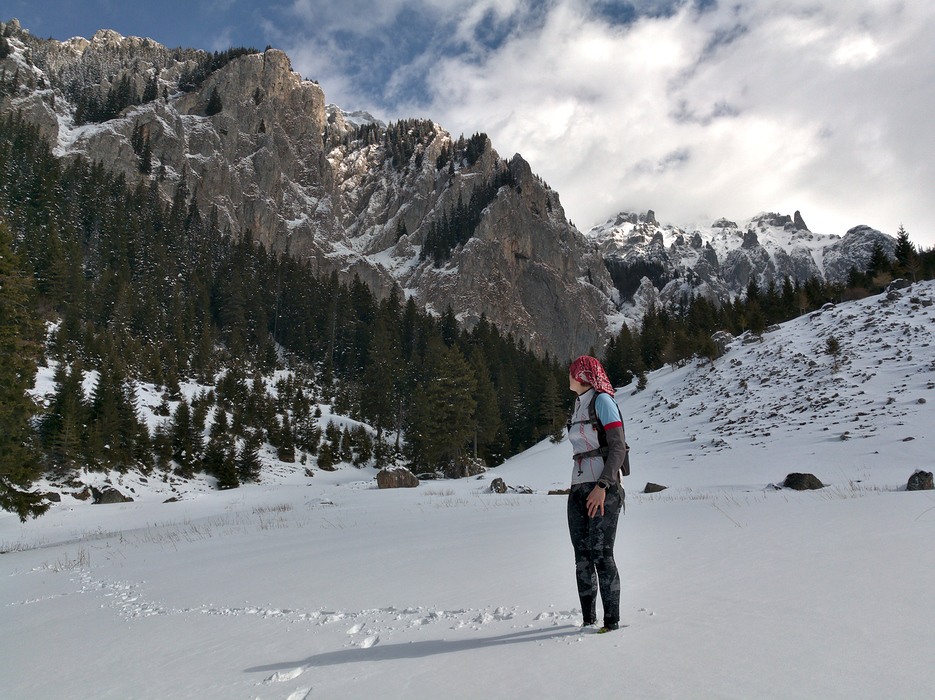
(326, 587)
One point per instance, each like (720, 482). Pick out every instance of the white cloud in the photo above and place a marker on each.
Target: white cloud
(751, 106)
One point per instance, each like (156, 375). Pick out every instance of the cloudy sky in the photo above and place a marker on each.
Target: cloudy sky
(696, 109)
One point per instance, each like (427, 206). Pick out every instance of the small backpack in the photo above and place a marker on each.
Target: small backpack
(604, 449)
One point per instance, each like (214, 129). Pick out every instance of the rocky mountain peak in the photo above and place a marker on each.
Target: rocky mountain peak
(799, 222)
(720, 260)
(257, 144)
(106, 38)
(750, 240)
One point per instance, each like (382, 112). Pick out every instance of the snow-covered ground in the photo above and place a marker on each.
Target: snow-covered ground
(326, 587)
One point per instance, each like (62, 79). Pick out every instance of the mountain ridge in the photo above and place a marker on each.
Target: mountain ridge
(269, 156)
(354, 196)
(664, 264)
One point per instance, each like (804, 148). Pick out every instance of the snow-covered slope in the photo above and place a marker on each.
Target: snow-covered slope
(324, 586)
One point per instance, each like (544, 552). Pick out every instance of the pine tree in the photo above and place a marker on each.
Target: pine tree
(443, 405)
(326, 457)
(219, 441)
(114, 427)
(706, 347)
(485, 419)
(346, 452)
(382, 378)
(652, 339)
(227, 475)
(62, 427)
(754, 318)
(801, 300)
(219, 455)
(333, 435)
(880, 267)
(151, 91)
(621, 359)
(146, 157)
(906, 256)
(186, 441)
(19, 350)
(833, 348)
(286, 451)
(552, 413)
(203, 359)
(641, 381)
(448, 326)
(215, 106)
(248, 461)
(364, 445)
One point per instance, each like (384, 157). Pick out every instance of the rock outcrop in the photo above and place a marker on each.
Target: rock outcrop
(523, 268)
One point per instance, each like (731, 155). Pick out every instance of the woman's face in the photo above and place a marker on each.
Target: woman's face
(577, 386)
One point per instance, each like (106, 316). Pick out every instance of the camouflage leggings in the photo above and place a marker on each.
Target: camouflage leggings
(593, 541)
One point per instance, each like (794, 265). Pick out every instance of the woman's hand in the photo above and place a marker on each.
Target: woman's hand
(596, 501)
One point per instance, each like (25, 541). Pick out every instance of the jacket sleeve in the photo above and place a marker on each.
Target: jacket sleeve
(618, 452)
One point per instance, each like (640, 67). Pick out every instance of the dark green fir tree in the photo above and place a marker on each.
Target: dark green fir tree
(20, 332)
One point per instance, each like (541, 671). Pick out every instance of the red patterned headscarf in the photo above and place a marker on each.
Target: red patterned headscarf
(588, 370)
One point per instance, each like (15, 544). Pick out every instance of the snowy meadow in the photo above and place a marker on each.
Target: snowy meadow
(324, 586)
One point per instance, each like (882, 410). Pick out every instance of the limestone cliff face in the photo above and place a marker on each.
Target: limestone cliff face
(527, 267)
(349, 195)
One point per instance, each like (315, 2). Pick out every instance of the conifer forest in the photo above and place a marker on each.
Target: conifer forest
(111, 283)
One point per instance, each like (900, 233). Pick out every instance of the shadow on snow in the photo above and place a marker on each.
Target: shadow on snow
(417, 650)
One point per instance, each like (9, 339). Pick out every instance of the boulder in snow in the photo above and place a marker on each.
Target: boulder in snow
(108, 494)
(396, 478)
(802, 482)
(898, 284)
(920, 481)
(722, 341)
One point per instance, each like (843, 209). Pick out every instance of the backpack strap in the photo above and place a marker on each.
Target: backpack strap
(603, 450)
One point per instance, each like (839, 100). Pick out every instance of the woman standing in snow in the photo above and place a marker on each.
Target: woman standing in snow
(595, 500)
